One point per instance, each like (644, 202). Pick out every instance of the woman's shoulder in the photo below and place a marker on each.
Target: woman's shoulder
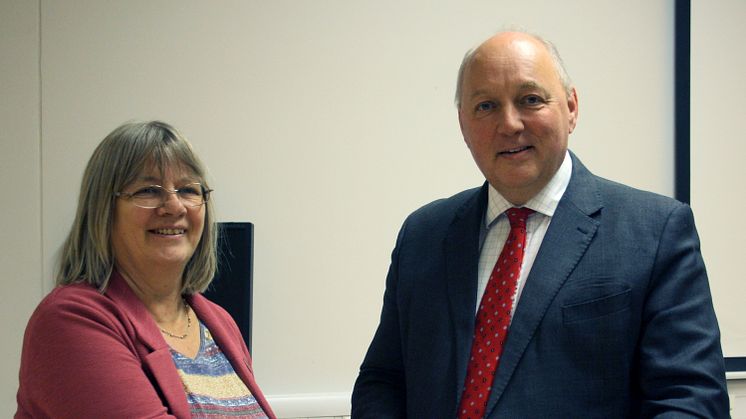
(74, 306)
(214, 316)
(80, 296)
(204, 307)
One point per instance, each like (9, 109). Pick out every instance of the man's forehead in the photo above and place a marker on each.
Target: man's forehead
(494, 69)
(525, 68)
(510, 43)
(516, 51)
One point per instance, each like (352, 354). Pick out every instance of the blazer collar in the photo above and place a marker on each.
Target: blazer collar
(157, 356)
(570, 232)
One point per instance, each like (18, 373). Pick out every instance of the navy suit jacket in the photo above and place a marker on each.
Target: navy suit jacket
(615, 320)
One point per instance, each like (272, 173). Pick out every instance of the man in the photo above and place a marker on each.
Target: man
(610, 311)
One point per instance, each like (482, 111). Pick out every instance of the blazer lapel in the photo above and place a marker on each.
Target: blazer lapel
(461, 249)
(570, 232)
(157, 355)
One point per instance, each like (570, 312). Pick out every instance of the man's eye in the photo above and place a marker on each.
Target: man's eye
(485, 106)
(532, 100)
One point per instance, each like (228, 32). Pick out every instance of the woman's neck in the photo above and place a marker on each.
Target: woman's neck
(159, 290)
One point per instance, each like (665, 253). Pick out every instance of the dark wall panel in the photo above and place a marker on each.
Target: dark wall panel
(232, 286)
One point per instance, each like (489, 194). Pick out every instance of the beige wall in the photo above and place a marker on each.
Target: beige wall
(718, 152)
(324, 123)
(20, 174)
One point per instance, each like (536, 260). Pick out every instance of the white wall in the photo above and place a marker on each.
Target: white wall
(324, 123)
(20, 175)
(718, 151)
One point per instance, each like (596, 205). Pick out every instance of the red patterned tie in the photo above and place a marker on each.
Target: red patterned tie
(493, 319)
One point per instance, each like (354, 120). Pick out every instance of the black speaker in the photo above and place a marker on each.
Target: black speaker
(232, 286)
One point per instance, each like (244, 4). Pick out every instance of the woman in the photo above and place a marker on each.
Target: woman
(126, 332)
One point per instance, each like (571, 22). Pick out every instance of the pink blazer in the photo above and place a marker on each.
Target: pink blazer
(87, 354)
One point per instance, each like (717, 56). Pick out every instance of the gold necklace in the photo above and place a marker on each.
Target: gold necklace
(189, 324)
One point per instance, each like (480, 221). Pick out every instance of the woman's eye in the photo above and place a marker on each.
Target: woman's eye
(148, 191)
(190, 191)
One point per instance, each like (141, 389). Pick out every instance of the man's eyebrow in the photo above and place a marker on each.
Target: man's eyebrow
(478, 92)
(532, 85)
(528, 85)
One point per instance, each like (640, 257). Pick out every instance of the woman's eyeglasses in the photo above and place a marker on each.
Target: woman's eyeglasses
(155, 196)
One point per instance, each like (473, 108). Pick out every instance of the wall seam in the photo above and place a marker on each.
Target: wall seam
(42, 287)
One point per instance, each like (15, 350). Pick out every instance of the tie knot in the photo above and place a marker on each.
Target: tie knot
(518, 216)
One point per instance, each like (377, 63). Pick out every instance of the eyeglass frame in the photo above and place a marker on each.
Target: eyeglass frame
(164, 198)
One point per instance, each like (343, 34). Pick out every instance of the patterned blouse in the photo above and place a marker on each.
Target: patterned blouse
(212, 387)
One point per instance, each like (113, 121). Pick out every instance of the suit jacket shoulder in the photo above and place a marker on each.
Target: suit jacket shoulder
(430, 223)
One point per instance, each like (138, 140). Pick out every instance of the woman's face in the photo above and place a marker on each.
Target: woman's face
(164, 237)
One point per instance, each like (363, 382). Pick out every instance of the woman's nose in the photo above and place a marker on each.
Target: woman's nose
(172, 204)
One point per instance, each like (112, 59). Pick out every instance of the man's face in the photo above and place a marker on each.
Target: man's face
(515, 115)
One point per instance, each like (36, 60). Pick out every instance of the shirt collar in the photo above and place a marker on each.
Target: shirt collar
(544, 202)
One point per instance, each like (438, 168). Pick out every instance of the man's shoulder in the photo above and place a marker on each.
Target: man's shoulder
(448, 207)
(617, 194)
(612, 194)
(429, 224)
(628, 207)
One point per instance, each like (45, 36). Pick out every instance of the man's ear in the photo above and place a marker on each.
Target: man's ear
(572, 106)
(461, 125)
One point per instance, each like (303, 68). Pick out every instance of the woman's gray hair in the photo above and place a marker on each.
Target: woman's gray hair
(559, 66)
(117, 162)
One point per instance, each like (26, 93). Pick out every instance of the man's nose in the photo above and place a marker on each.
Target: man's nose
(510, 121)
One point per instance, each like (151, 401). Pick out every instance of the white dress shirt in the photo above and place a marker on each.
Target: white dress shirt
(496, 228)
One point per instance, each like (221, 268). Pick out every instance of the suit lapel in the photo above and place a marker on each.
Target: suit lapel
(570, 232)
(461, 249)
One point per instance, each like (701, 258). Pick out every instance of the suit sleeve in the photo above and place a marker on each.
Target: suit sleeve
(380, 389)
(78, 363)
(681, 363)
